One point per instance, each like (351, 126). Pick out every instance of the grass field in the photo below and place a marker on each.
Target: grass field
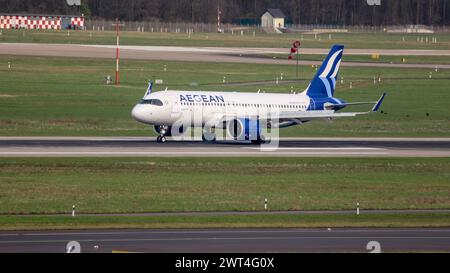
(351, 40)
(107, 185)
(68, 97)
(230, 221)
(438, 60)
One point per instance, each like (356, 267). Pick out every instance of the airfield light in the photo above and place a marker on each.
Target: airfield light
(357, 208)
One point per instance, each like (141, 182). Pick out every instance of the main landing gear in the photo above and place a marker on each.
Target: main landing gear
(259, 141)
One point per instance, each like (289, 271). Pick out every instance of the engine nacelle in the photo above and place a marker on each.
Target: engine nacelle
(244, 129)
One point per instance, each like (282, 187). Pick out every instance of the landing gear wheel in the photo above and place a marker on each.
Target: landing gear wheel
(208, 137)
(161, 139)
(260, 140)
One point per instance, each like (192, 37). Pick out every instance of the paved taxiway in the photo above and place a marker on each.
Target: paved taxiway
(139, 146)
(228, 240)
(208, 54)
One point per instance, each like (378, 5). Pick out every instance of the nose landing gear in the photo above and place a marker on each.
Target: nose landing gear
(161, 139)
(163, 131)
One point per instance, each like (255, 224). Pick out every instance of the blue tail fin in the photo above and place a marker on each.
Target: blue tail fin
(324, 82)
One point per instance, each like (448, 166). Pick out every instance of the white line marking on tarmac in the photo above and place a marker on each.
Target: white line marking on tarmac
(318, 148)
(215, 238)
(190, 153)
(233, 231)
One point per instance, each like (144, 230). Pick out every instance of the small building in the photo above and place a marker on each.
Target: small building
(273, 18)
(33, 21)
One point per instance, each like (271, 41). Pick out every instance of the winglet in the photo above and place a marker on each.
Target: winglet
(149, 89)
(377, 106)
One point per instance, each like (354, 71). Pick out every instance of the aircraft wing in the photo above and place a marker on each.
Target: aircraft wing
(311, 115)
(329, 114)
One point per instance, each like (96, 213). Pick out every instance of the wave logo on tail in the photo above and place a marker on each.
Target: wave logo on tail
(324, 82)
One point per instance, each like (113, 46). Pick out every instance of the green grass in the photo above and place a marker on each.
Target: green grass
(107, 185)
(227, 221)
(68, 97)
(438, 60)
(351, 40)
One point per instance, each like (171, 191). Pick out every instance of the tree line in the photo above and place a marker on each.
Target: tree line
(330, 12)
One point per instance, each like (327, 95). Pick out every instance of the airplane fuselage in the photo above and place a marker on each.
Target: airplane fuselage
(167, 107)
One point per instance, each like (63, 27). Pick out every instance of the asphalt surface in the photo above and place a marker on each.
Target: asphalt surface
(207, 54)
(138, 146)
(229, 240)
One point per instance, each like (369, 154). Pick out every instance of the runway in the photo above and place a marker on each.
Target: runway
(228, 240)
(208, 54)
(285, 147)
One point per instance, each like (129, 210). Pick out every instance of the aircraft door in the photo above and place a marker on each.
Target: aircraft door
(176, 108)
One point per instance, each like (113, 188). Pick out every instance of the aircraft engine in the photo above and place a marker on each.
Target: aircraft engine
(244, 129)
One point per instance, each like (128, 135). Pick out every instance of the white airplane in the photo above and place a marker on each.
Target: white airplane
(244, 115)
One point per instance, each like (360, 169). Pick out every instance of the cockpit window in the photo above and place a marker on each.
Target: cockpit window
(152, 102)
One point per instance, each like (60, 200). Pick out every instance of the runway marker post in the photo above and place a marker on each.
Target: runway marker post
(117, 24)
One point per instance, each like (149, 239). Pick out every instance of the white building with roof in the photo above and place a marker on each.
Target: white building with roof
(273, 18)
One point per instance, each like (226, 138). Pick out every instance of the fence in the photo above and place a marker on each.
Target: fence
(103, 25)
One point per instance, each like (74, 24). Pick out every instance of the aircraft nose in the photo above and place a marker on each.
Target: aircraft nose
(138, 113)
